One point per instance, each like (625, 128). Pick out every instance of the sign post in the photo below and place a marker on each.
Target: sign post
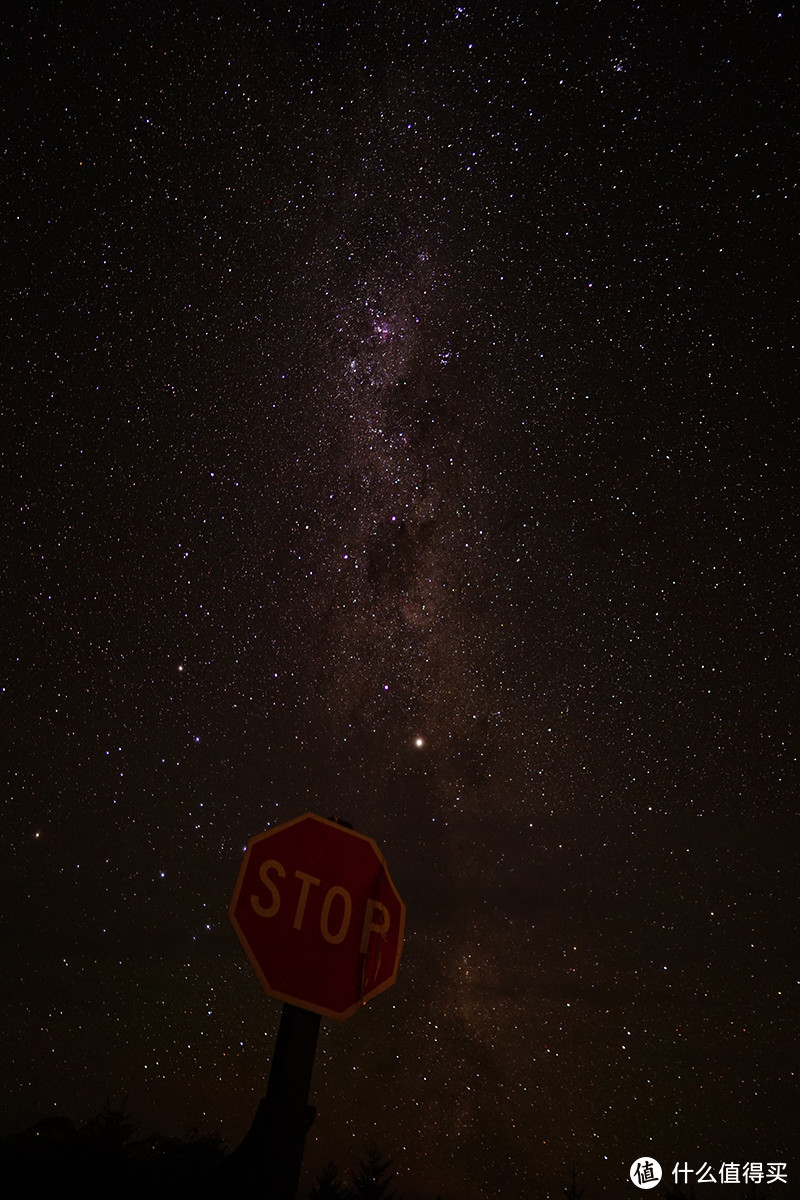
(322, 924)
(270, 1157)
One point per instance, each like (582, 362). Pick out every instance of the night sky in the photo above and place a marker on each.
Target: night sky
(398, 426)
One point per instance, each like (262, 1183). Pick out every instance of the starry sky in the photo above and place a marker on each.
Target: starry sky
(398, 427)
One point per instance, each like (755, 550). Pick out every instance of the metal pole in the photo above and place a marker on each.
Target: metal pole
(270, 1156)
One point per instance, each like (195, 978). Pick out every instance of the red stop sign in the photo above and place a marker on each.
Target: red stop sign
(319, 916)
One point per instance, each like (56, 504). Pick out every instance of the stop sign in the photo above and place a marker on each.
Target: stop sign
(318, 915)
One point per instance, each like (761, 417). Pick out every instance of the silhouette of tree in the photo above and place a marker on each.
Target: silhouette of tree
(102, 1160)
(373, 1177)
(112, 1128)
(572, 1191)
(186, 1159)
(327, 1185)
(37, 1158)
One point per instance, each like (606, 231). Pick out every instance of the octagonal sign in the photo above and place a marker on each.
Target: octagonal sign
(318, 915)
